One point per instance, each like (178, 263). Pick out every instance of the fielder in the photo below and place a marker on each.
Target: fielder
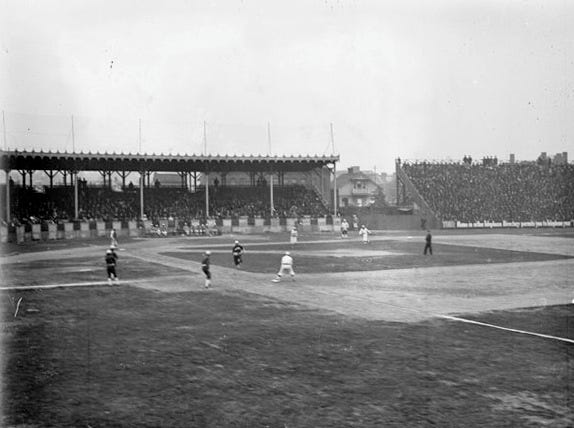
(364, 232)
(344, 229)
(237, 252)
(114, 238)
(111, 261)
(294, 236)
(286, 266)
(205, 264)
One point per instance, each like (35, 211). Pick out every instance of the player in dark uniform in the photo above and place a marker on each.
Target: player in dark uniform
(428, 243)
(237, 252)
(205, 263)
(111, 262)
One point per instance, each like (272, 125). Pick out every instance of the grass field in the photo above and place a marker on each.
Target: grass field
(362, 338)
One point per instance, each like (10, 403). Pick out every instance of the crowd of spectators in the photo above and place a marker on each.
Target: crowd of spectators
(104, 204)
(495, 192)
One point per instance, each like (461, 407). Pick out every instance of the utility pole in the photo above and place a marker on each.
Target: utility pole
(73, 136)
(4, 130)
(204, 138)
(269, 137)
(334, 174)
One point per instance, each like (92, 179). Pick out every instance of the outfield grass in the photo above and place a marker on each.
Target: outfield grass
(127, 356)
(119, 356)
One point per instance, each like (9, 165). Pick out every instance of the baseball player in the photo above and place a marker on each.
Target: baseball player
(364, 232)
(237, 252)
(114, 238)
(286, 266)
(428, 243)
(294, 236)
(344, 229)
(205, 264)
(111, 262)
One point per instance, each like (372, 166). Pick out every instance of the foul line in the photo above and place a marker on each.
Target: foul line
(453, 318)
(87, 284)
(513, 330)
(50, 286)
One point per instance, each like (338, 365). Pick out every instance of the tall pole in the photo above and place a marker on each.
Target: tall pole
(334, 174)
(73, 138)
(269, 137)
(332, 140)
(204, 138)
(206, 172)
(397, 179)
(272, 207)
(140, 137)
(4, 130)
(334, 189)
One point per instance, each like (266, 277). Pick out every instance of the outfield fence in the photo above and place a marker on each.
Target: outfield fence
(506, 224)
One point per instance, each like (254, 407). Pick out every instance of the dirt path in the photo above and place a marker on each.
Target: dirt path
(410, 294)
(394, 295)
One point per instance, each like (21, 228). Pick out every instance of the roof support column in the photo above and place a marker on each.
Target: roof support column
(206, 195)
(51, 174)
(334, 190)
(76, 205)
(271, 193)
(8, 190)
(23, 174)
(142, 182)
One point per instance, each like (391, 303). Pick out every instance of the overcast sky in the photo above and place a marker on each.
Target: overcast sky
(410, 79)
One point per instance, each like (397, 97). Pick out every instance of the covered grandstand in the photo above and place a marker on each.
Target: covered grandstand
(213, 187)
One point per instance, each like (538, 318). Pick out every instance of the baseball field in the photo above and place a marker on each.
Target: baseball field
(479, 334)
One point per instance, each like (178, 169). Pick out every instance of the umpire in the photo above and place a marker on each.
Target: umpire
(428, 243)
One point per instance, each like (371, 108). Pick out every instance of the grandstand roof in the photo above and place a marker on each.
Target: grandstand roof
(68, 161)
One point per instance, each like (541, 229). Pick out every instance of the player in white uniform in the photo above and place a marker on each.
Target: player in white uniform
(294, 235)
(344, 229)
(114, 238)
(286, 266)
(364, 232)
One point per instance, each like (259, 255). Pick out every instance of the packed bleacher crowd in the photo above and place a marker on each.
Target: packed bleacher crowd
(104, 204)
(490, 191)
